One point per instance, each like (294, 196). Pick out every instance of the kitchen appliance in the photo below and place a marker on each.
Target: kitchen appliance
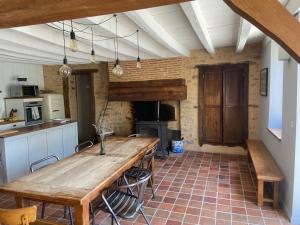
(24, 91)
(28, 109)
(53, 106)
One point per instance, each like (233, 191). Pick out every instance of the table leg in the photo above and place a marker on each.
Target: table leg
(19, 202)
(152, 168)
(276, 195)
(81, 214)
(260, 193)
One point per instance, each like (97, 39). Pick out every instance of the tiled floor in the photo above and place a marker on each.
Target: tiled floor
(196, 188)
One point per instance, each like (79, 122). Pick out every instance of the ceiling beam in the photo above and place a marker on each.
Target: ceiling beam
(147, 23)
(16, 48)
(193, 12)
(243, 34)
(20, 40)
(7, 58)
(274, 20)
(146, 44)
(125, 51)
(15, 13)
(51, 36)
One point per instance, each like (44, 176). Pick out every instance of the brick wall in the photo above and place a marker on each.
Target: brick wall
(116, 114)
(119, 114)
(185, 67)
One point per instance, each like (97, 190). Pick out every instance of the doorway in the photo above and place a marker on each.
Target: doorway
(223, 98)
(85, 106)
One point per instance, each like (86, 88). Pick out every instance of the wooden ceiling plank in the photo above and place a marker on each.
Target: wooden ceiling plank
(243, 34)
(146, 22)
(15, 13)
(274, 20)
(193, 12)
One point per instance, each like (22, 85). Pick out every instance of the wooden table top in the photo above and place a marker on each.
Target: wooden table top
(84, 175)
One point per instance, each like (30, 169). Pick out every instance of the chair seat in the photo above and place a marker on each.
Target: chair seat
(137, 173)
(123, 204)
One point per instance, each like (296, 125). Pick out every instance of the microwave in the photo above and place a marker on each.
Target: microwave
(24, 91)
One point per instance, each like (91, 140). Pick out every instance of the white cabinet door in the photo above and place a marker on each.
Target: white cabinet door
(16, 158)
(37, 145)
(70, 139)
(55, 143)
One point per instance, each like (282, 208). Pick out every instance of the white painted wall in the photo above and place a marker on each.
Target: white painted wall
(9, 71)
(285, 152)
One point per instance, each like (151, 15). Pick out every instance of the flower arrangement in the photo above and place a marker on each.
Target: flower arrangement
(102, 129)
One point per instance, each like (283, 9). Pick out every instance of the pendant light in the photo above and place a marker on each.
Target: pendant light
(73, 42)
(117, 70)
(65, 70)
(138, 60)
(93, 57)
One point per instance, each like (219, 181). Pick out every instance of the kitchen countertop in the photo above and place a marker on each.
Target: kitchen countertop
(10, 121)
(24, 130)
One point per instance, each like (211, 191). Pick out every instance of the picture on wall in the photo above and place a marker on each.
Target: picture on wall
(264, 82)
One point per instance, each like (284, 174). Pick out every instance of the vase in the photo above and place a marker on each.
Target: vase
(102, 146)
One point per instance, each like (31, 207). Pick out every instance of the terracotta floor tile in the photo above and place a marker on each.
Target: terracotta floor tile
(194, 188)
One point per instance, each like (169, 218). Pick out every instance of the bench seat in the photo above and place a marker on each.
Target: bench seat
(266, 170)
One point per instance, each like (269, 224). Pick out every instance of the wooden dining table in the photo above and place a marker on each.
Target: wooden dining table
(79, 179)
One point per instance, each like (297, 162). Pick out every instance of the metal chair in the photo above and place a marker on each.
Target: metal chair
(85, 144)
(138, 173)
(37, 163)
(122, 203)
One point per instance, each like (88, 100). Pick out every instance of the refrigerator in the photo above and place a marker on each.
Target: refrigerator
(53, 106)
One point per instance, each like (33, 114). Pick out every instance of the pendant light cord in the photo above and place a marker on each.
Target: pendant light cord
(64, 39)
(117, 41)
(92, 38)
(138, 42)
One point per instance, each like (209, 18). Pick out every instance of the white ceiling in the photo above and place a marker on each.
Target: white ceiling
(166, 31)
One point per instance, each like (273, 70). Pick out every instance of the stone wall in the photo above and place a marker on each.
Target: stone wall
(185, 67)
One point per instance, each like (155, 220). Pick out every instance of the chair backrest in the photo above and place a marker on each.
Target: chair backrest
(23, 216)
(85, 144)
(147, 159)
(40, 163)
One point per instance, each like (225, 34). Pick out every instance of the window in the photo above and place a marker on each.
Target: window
(275, 91)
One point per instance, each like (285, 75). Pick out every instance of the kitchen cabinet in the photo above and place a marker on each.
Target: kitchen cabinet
(8, 126)
(37, 147)
(17, 152)
(14, 160)
(70, 139)
(55, 142)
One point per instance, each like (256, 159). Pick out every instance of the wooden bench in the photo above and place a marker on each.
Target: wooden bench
(266, 171)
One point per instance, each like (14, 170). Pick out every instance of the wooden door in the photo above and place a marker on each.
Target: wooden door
(234, 105)
(212, 105)
(224, 103)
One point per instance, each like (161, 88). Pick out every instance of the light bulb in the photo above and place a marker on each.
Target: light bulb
(138, 63)
(73, 42)
(65, 70)
(93, 57)
(117, 70)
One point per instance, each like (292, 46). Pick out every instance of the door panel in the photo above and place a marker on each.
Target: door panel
(212, 116)
(233, 108)
(212, 124)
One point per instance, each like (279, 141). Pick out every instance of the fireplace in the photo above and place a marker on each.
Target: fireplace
(155, 129)
(152, 120)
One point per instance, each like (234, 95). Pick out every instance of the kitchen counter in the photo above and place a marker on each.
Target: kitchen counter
(10, 121)
(34, 128)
